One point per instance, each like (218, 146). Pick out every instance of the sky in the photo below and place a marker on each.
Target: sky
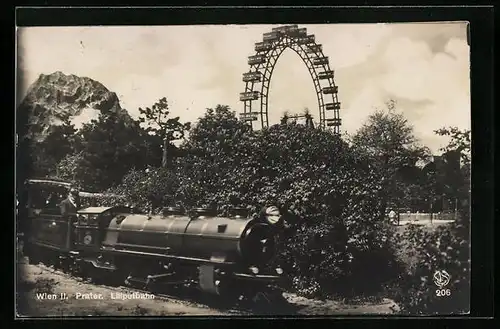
(424, 67)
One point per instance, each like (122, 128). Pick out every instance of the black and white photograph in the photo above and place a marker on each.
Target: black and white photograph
(242, 170)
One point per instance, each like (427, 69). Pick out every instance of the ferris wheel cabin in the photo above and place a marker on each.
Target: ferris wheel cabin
(329, 90)
(291, 30)
(256, 59)
(320, 61)
(249, 116)
(332, 106)
(263, 46)
(306, 40)
(249, 96)
(286, 28)
(271, 36)
(336, 122)
(325, 75)
(314, 49)
(252, 76)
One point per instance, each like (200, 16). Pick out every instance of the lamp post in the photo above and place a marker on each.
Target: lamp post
(456, 209)
(430, 207)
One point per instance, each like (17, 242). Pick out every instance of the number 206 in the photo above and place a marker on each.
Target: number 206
(443, 292)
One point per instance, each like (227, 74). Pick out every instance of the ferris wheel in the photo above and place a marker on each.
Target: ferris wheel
(257, 79)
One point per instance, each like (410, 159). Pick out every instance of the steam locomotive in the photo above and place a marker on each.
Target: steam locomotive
(231, 256)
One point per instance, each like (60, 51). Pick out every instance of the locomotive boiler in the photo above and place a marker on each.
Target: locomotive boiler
(214, 253)
(230, 255)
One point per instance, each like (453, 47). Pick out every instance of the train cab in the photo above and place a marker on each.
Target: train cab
(42, 218)
(45, 229)
(90, 227)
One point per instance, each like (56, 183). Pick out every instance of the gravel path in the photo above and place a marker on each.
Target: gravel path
(43, 292)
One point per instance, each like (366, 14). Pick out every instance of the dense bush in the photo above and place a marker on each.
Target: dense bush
(315, 175)
(445, 248)
(341, 244)
(149, 189)
(341, 237)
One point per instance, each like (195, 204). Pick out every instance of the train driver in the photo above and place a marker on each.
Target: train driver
(71, 204)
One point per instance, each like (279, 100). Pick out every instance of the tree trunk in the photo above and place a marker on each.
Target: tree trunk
(164, 159)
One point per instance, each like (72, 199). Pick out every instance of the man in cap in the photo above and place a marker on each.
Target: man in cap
(70, 205)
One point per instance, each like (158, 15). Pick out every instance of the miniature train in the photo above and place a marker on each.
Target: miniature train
(231, 256)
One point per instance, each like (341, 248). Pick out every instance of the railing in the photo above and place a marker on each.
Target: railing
(426, 218)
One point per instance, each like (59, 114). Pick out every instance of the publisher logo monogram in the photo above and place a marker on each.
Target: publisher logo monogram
(441, 278)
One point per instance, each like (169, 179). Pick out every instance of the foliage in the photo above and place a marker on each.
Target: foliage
(387, 141)
(101, 152)
(157, 121)
(70, 168)
(335, 235)
(217, 130)
(308, 172)
(460, 141)
(148, 189)
(460, 183)
(446, 248)
(216, 147)
(158, 124)
(47, 152)
(109, 148)
(334, 193)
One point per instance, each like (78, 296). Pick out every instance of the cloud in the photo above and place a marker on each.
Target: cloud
(416, 73)
(426, 66)
(348, 45)
(434, 87)
(442, 78)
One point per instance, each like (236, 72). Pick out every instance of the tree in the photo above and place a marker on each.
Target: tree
(309, 118)
(388, 141)
(159, 124)
(150, 189)
(310, 173)
(212, 153)
(460, 141)
(109, 148)
(459, 184)
(58, 142)
(70, 168)
(446, 247)
(306, 114)
(284, 118)
(218, 128)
